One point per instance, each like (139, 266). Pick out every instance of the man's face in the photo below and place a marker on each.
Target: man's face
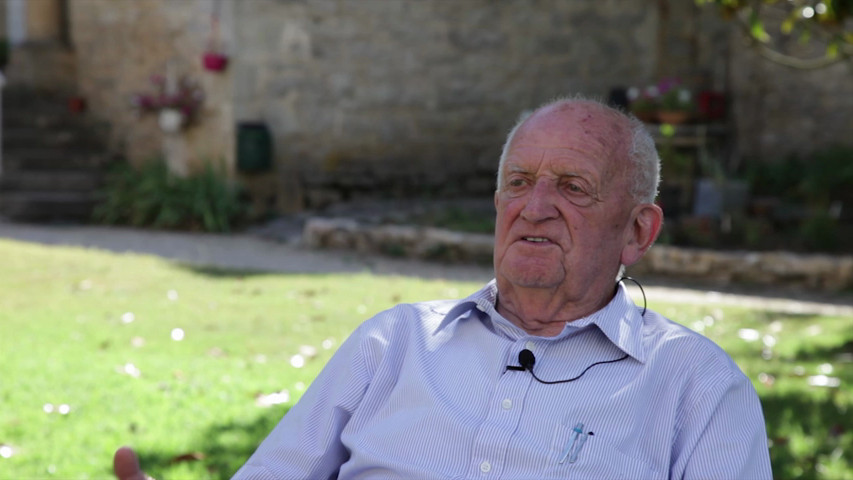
(564, 207)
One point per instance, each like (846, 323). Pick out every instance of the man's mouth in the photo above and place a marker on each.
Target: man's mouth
(536, 239)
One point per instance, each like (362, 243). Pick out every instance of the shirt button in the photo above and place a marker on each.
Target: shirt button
(529, 345)
(485, 467)
(506, 404)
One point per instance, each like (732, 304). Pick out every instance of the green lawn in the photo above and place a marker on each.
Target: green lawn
(99, 350)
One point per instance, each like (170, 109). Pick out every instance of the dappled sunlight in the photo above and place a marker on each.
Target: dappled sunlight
(297, 361)
(270, 399)
(801, 368)
(251, 345)
(748, 334)
(6, 451)
(177, 334)
(62, 409)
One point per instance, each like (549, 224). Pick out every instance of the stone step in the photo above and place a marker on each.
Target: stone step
(31, 137)
(43, 206)
(53, 158)
(46, 158)
(51, 181)
(24, 98)
(39, 119)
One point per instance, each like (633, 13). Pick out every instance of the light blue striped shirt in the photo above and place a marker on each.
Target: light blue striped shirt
(422, 391)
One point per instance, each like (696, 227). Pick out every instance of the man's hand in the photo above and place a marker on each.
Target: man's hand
(126, 465)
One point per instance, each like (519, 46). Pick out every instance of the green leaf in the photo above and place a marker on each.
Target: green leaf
(756, 28)
(832, 50)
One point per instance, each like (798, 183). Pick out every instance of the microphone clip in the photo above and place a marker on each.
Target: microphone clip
(526, 360)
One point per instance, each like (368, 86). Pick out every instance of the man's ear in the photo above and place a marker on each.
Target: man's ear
(641, 233)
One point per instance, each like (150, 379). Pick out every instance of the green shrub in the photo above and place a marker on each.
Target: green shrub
(818, 179)
(828, 176)
(149, 196)
(820, 232)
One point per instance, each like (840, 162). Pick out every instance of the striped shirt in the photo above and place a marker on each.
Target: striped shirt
(422, 391)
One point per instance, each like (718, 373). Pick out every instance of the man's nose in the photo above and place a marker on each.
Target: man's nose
(540, 204)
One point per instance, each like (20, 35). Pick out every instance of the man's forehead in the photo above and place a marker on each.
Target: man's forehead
(586, 136)
(561, 160)
(573, 126)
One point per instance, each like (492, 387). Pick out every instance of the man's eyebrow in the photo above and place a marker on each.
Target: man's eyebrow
(517, 169)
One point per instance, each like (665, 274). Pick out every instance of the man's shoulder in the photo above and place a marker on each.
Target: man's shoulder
(420, 315)
(670, 341)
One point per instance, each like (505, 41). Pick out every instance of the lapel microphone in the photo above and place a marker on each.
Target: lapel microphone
(526, 360)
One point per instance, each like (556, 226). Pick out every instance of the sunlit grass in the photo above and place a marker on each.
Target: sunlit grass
(92, 359)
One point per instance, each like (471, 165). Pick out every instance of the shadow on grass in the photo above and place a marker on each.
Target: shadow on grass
(811, 429)
(225, 447)
(807, 435)
(224, 272)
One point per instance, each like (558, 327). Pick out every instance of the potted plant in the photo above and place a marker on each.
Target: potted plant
(214, 61)
(176, 102)
(644, 103)
(676, 103)
(214, 58)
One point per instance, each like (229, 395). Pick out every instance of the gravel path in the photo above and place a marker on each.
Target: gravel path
(256, 251)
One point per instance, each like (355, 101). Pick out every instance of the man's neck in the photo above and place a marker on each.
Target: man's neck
(543, 312)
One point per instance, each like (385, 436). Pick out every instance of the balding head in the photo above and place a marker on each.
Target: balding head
(624, 135)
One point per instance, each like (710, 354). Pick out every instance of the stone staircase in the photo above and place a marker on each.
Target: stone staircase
(53, 160)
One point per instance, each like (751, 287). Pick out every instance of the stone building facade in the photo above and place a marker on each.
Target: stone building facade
(394, 97)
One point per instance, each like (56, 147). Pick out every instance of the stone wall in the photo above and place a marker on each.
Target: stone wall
(397, 96)
(120, 44)
(779, 110)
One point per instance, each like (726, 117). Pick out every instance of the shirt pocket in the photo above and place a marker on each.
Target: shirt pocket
(572, 456)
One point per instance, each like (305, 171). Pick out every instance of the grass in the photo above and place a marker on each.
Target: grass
(95, 333)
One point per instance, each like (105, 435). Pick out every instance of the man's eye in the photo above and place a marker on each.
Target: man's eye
(574, 188)
(516, 182)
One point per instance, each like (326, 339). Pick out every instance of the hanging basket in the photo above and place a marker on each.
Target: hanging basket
(214, 61)
(171, 120)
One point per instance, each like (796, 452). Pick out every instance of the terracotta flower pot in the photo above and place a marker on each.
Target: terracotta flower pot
(673, 117)
(647, 116)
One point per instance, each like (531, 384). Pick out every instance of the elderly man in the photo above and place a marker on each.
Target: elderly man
(549, 371)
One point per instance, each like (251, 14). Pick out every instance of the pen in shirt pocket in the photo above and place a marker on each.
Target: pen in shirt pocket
(575, 444)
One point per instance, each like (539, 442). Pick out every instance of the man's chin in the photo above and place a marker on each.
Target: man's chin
(546, 277)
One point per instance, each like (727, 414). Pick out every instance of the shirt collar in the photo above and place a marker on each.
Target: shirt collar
(483, 300)
(620, 321)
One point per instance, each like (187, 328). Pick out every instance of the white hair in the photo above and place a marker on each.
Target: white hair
(642, 153)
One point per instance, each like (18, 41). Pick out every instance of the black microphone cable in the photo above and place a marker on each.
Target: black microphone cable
(632, 279)
(526, 360)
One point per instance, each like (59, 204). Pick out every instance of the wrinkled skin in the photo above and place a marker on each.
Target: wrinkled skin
(565, 218)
